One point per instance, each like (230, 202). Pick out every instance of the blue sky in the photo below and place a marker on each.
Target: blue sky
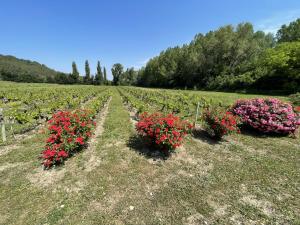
(57, 32)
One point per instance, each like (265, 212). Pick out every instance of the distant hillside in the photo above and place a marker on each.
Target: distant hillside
(20, 70)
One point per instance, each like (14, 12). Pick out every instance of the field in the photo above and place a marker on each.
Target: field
(246, 178)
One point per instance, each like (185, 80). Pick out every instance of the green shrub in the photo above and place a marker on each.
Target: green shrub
(295, 99)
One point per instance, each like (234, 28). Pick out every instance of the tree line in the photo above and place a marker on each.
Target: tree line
(100, 78)
(123, 77)
(229, 58)
(19, 70)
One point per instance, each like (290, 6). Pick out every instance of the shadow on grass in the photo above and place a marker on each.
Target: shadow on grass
(138, 144)
(205, 137)
(202, 135)
(249, 131)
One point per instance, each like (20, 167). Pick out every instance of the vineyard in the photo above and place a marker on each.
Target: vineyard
(24, 108)
(77, 154)
(183, 103)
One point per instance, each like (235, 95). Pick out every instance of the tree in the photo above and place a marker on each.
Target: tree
(104, 76)
(281, 66)
(99, 75)
(87, 78)
(221, 55)
(117, 71)
(75, 74)
(62, 78)
(289, 32)
(92, 81)
(129, 77)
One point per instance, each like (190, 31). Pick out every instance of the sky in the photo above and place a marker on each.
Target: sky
(57, 32)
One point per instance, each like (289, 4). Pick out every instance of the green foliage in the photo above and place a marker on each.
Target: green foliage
(104, 76)
(117, 71)
(99, 75)
(19, 70)
(281, 67)
(87, 78)
(226, 54)
(74, 77)
(62, 78)
(289, 32)
(295, 99)
(128, 77)
(27, 105)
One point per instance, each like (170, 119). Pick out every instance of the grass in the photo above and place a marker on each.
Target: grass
(245, 179)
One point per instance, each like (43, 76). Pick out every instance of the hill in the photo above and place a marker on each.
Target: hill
(20, 70)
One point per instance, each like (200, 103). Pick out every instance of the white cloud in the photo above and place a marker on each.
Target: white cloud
(273, 23)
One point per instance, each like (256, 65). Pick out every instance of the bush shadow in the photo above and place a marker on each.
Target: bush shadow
(137, 144)
(249, 131)
(202, 135)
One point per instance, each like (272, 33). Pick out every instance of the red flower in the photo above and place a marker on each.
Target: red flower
(64, 128)
(49, 154)
(79, 140)
(218, 122)
(166, 132)
(62, 154)
(170, 122)
(51, 139)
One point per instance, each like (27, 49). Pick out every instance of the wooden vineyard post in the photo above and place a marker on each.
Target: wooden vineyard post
(3, 132)
(197, 113)
(2, 122)
(12, 130)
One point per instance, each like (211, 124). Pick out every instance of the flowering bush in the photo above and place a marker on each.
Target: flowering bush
(165, 132)
(69, 132)
(219, 122)
(267, 115)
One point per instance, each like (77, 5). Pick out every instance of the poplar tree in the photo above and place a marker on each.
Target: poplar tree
(104, 76)
(75, 74)
(87, 77)
(99, 75)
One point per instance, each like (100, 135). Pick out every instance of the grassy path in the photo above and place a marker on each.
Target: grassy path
(231, 182)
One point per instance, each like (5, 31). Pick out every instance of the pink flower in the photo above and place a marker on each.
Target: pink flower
(267, 115)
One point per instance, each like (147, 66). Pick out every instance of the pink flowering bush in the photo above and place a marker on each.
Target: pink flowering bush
(268, 115)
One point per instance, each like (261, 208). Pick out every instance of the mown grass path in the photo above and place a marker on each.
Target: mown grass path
(241, 180)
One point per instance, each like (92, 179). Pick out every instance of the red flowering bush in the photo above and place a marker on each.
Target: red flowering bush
(69, 132)
(268, 115)
(165, 132)
(219, 122)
